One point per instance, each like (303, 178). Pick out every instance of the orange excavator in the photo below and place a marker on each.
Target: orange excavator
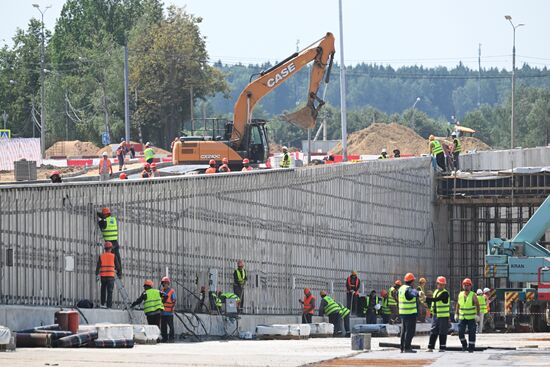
(246, 137)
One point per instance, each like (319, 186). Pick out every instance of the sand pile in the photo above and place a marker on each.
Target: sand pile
(471, 143)
(74, 148)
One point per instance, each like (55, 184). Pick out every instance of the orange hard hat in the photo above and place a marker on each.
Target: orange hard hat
(165, 280)
(246, 161)
(105, 211)
(398, 282)
(108, 245)
(467, 281)
(441, 280)
(225, 160)
(409, 277)
(323, 293)
(383, 293)
(212, 162)
(153, 165)
(148, 283)
(146, 166)
(306, 291)
(123, 176)
(55, 173)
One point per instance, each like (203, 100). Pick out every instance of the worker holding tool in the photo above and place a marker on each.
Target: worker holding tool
(149, 153)
(408, 311)
(352, 292)
(109, 229)
(383, 154)
(385, 310)
(467, 312)
(344, 315)
(55, 177)
(393, 297)
(330, 308)
(422, 306)
(285, 162)
(436, 150)
(246, 165)
(105, 168)
(372, 305)
(440, 305)
(167, 315)
(146, 173)
(456, 151)
(239, 281)
(152, 303)
(212, 168)
(309, 306)
(107, 268)
(224, 168)
(483, 310)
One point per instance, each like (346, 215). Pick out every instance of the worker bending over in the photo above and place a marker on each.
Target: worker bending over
(440, 305)
(108, 266)
(167, 315)
(436, 149)
(408, 311)
(344, 315)
(467, 312)
(308, 306)
(330, 308)
(152, 303)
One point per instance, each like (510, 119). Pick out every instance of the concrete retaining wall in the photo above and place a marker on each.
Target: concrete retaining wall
(495, 160)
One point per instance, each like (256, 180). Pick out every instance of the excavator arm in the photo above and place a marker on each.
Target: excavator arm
(321, 52)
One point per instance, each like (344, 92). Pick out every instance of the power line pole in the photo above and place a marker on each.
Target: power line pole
(126, 97)
(479, 76)
(343, 110)
(513, 122)
(42, 89)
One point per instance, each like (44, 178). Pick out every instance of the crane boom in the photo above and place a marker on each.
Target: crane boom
(536, 226)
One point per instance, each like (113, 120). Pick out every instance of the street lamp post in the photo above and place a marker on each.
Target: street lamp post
(343, 112)
(42, 89)
(412, 117)
(512, 123)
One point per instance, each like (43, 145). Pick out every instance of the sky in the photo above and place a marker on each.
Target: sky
(394, 32)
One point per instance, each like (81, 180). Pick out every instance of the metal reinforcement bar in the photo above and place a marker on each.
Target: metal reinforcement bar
(293, 228)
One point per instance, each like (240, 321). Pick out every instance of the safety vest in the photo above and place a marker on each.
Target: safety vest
(110, 232)
(406, 307)
(331, 306)
(168, 303)
(458, 146)
(436, 147)
(107, 265)
(104, 166)
(467, 307)
(217, 300)
(440, 308)
(385, 310)
(482, 304)
(356, 285)
(153, 302)
(241, 275)
(230, 295)
(391, 300)
(344, 311)
(285, 163)
(381, 156)
(367, 302)
(307, 304)
(149, 153)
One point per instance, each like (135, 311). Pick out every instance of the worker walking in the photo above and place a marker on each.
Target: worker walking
(385, 310)
(383, 154)
(330, 308)
(422, 307)
(344, 313)
(440, 305)
(467, 312)
(108, 266)
(285, 162)
(109, 229)
(393, 297)
(246, 165)
(167, 315)
(483, 310)
(212, 168)
(239, 281)
(120, 152)
(408, 311)
(308, 306)
(436, 149)
(456, 151)
(372, 305)
(152, 303)
(352, 292)
(105, 168)
(148, 153)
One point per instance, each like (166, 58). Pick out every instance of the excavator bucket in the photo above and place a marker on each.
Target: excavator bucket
(304, 117)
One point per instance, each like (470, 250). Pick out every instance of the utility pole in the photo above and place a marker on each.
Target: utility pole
(191, 109)
(126, 97)
(42, 89)
(343, 110)
(512, 123)
(479, 76)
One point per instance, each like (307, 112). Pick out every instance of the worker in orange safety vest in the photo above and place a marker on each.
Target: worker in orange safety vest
(309, 306)
(108, 266)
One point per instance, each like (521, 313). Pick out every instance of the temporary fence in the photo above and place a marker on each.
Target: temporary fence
(293, 228)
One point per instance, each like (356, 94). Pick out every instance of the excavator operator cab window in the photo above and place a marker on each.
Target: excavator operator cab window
(258, 143)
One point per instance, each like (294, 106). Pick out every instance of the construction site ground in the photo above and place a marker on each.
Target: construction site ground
(531, 350)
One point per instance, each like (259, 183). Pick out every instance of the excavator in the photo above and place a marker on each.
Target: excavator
(246, 137)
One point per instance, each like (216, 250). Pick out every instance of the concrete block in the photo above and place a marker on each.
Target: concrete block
(360, 341)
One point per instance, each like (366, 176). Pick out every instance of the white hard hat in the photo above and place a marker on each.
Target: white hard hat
(104, 154)
(486, 290)
(285, 148)
(384, 150)
(147, 144)
(479, 291)
(453, 133)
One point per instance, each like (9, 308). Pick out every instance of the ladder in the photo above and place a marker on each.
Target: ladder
(125, 298)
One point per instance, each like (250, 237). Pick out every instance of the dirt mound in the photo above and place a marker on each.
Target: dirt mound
(73, 148)
(471, 143)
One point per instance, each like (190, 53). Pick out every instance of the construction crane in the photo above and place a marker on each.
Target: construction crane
(246, 137)
(523, 260)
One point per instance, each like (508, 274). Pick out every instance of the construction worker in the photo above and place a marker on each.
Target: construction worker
(385, 310)
(152, 303)
(408, 311)
(393, 297)
(483, 310)
(456, 151)
(105, 168)
(212, 168)
(107, 268)
(215, 301)
(467, 312)
(148, 153)
(123, 176)
(330, 308)
(154, 171)
(372, 305)
(109, 229)
(436, 149)
(146, 173)
(225, 166)
(396, 153)
(422, 306)
(352, 292)
(383, 154)
(239, 281)
(440, 305)
(120, 152)
(246, 165)
(55, 177)
(344, 315)
(167, 315)
(230, 295)
(309, 306)
(285, 162)
(488, 317)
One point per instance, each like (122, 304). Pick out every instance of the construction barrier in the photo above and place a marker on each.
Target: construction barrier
(293, 228)
(509, 299)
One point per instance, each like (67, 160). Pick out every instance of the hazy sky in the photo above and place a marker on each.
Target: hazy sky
(396, 32)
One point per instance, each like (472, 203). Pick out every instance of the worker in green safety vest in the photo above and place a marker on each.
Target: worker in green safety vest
(239, 281)
(285, 162)
(344, 315)
(385, 310)
(467, 312)
(440, 306)
(457, 149)
(408, 311)
(330, 308)
(392, 302)
(148, 153)
(436, 150)
(152, 303)
(372, 305)
(109, 229)
(482, 308)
